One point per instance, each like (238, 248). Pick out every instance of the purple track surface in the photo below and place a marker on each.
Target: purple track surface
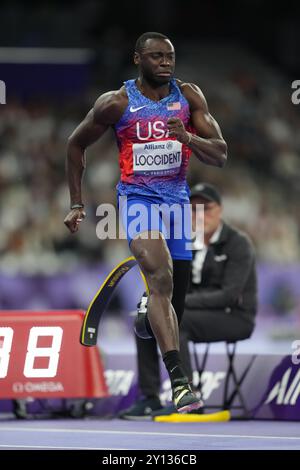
(117, 434)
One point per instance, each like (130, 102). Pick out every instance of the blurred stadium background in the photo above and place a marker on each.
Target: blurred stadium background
(57, 58)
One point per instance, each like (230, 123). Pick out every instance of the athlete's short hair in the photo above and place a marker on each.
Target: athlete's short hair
(140, 43)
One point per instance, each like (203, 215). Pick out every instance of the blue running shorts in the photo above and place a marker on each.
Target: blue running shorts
(141, 214)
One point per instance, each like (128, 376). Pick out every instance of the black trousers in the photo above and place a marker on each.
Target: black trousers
(208, 326)
(147, 354)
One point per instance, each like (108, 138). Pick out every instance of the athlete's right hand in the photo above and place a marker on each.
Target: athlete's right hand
(73, 219)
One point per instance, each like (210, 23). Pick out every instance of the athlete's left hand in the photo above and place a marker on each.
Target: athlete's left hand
(177, 129)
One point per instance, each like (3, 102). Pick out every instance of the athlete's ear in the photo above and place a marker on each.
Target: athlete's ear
(136, 58)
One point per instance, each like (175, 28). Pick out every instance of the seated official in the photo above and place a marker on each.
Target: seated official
(221, 302)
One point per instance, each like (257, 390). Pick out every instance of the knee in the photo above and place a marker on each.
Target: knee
(157, 267)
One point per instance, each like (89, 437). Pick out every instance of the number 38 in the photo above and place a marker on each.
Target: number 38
(33, 350)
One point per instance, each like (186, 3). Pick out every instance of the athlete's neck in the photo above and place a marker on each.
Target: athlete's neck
(153, 91)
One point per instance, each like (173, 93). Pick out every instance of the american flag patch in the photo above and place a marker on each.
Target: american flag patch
(174, 106)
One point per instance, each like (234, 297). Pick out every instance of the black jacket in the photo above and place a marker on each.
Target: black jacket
(228, 278)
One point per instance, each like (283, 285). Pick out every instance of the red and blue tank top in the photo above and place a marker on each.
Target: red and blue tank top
(152, 163)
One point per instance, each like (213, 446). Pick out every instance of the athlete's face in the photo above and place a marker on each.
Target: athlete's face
(156, 61)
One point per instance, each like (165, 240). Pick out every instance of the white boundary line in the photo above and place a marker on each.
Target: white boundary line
(139, 433)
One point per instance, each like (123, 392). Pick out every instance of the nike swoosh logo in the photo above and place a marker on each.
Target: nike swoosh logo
(132, 109)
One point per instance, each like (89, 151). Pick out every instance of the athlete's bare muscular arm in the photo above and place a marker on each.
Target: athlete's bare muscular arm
(107, 110)
(208, 145)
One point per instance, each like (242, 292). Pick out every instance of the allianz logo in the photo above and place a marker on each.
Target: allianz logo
(284, 392)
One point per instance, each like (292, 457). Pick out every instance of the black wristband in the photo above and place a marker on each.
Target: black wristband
(77, 206)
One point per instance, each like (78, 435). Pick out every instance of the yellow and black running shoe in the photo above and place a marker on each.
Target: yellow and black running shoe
(184, 398)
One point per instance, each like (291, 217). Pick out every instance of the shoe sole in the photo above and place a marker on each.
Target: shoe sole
(192, 406)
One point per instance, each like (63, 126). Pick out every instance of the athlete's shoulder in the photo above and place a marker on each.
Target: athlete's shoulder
(110, 106)
(193, 94)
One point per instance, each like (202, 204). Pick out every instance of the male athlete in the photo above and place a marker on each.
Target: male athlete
(158, 121)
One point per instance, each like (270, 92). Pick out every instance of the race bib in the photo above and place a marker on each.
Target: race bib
(157, 158)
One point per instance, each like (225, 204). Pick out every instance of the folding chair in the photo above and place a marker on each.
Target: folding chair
(231, 375)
